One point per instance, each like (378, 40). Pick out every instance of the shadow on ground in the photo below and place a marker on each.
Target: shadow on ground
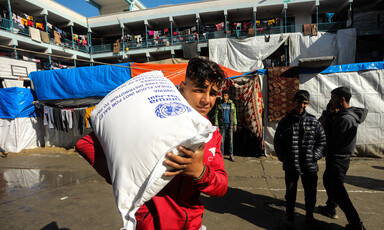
(53, 226)
(378, 167)
(263, 211)
(365, 182)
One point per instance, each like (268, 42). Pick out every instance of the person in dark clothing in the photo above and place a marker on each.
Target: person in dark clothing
(299, 142)
(226, 121)
(341, 143)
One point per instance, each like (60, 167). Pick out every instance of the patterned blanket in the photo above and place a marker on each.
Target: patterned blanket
(246, 93)
(283, 82)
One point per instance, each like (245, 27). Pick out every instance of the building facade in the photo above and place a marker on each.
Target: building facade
(126, 31)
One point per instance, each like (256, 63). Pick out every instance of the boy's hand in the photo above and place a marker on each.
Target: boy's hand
(188, 163)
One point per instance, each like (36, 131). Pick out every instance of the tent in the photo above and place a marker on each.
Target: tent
(367, 86)
(19, 123)
(84, 87)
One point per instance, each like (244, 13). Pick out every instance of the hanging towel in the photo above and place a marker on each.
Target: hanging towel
(307, 29)
(35, 34)
(44, 37)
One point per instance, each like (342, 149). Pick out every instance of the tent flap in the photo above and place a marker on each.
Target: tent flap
(16, 102)
(80, 82)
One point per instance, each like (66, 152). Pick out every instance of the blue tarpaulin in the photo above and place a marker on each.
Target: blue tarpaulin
(16, 102)
(82, 82)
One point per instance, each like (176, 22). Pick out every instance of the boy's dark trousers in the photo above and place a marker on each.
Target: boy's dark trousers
(309, 181)
(333, 179)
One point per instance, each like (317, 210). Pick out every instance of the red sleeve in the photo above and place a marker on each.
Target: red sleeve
(90, 148)
(215, 180)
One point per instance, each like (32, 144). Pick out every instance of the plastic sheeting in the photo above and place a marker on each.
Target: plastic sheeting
(21, 133)
(16, 102)
(342, 45)
(367, 89)
(80, 82)
(174, 72)
(244, 55)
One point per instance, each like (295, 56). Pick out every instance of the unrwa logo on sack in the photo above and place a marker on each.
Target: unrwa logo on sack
(165, 110)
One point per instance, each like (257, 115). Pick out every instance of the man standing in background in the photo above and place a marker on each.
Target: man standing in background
(299, 143)
(225, 120)
(341, 143)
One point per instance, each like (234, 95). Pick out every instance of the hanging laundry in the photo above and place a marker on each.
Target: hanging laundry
(307, 29)
(24, 21)
(64, 120)
(48, 117)
(79, 121)
(44, 37)
(30, 23)
(88, 112)
(57, 37)
(30, 18)
(68, 116)
(34, 34)
(329, 16)
(314, 29)
(116, 47)
(58, 121)
(39, 25)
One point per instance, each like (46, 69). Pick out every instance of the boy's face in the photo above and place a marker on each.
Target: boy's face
(300, 105)
(201, 97)
(226, 97)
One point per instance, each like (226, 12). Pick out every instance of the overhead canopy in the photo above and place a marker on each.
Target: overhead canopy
(82, 82)
(174, 72)
(98, 81)
(16, 102)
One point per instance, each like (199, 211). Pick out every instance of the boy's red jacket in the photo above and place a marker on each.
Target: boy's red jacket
(178, 205)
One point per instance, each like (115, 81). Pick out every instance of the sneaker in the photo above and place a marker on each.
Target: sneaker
(231, 158)
(325, 211)
(355, 226)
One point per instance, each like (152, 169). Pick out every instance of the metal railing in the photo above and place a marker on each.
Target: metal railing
(373, 28)
(5, 24)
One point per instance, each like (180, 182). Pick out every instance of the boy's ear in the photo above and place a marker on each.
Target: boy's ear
(182, 86)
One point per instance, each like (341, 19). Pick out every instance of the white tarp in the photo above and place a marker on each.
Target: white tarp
(367, 89)
(20, 133)
(342, 45)
(245, 55)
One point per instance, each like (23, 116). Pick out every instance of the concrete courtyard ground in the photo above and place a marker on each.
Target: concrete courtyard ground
(56, 189)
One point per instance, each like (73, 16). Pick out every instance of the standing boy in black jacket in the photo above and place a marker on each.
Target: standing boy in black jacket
(341, 143)
(299, 142)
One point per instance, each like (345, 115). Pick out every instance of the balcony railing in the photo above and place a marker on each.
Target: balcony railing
(5, 24)
(178, 40)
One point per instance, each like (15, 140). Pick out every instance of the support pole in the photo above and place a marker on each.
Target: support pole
(225, 23)
(50, 62)
(254, 19)
(14, 47)
(73, 43)
(10, 15)
(171, 20)
(146, 33)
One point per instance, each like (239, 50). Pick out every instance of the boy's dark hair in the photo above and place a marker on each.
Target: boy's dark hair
(302, 95)
(343, 92)
(225, 92)
(200, 70)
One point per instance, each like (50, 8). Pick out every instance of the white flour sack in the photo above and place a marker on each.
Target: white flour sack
(137, 124)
